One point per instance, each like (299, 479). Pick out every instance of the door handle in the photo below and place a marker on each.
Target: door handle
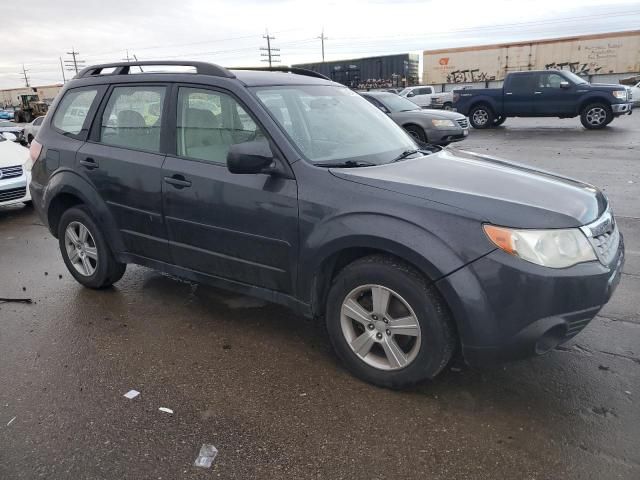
(537, 93)
(178, 181)
(509, 93)
(90, 163)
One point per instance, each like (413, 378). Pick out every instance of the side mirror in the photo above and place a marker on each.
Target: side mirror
(411, 94)
(565, 84)
(383, 109)
(250, 157)
(9, 136)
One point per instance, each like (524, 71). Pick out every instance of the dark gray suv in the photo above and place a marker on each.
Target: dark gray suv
(287, 186)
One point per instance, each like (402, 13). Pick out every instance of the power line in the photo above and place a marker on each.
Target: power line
(74, 63)
(271, 57)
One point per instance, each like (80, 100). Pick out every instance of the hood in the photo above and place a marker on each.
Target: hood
(12, 154)
(492, 189)
(607, 86)
(432, 113)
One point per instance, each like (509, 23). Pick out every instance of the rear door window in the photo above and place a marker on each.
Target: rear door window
(522, 83)
(132, 117)
(72, 112)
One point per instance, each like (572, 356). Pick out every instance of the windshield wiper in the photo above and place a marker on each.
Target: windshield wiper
(346, 164)
(405, 154)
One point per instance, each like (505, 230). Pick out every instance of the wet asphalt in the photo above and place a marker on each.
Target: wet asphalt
(263, 386)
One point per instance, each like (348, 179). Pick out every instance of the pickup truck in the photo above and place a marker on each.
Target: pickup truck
(420, 95)
(545, 93)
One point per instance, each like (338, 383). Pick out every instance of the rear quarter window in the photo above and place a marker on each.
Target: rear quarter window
(72, 112)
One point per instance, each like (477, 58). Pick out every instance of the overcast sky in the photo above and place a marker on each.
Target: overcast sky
(229, 32)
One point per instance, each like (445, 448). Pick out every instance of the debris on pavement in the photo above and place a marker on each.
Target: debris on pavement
(206, 456)
(11, 421)
(166, 410)
(16, 300)
(131, 394)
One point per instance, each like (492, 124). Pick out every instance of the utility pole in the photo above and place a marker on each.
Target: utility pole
(271, 57)
(24, 74)
(128, 59)
(74, 63)
(322, 38)
(64, 80)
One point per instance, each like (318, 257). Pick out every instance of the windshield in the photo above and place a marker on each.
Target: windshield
(574, 78)
(328, 123)
(395, 103)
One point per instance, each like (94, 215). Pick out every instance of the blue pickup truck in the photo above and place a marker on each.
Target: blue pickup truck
(546, 93)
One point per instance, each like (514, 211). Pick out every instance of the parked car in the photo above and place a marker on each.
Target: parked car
(6, 114)
(432, 126)
(10, 127)
(444, 100)
(635, 94)
(320, 202)
(31, 129)
(420, 95)
(545, 93)
(15, 171)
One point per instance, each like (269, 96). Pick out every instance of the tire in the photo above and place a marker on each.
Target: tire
(481, 116)
(596, 116)
(425, 352)
(416, 132)
(448, 106)
(499, 121)
(28, 204)
(106, 270)
(29, 139)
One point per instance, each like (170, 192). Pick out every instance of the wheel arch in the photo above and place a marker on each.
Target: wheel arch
(67, 189)
(593, 99)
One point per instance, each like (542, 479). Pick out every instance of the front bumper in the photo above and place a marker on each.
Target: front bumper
(15, 190)
(506, 308)
(441, 136)
(622, 108)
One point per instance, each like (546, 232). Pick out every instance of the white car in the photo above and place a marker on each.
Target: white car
(635, 94)
(31, 129)
(15, 171)
(420, 95)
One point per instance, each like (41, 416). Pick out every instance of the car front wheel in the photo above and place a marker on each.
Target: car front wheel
(596, 116)
(85, 250)
(387, 324)
(416, 132)
(481, 116)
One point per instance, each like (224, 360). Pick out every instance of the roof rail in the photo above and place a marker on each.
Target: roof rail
(296, 70)
(123, 68)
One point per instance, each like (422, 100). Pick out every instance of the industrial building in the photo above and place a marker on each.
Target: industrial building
(11, 97)
(601, 58)
(372, 72)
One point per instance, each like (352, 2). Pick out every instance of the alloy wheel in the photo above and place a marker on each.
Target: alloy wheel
(380, 327)
(81, 248)
(596, 116)
(480, 117)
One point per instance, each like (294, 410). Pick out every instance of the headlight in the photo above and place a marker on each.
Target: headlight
(443, 123)
(549, 248)
(620, 94)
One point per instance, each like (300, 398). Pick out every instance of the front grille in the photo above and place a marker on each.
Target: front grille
(576, 326)
(606, 245)
(10, 172)
(12, 194)
(463, 122)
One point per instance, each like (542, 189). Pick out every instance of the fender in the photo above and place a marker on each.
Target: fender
(486, 99)
(592, 97)
(402, 238)
(67, 181)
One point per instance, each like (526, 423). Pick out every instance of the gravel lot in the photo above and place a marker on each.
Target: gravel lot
(263, 386)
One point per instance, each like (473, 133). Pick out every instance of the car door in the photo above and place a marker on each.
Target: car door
(519, 94)
(242, 228)
(557, 95)
(123, 160)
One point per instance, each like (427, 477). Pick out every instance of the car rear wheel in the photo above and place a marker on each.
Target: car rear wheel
(416, 132)
(387, 324)
(85, 251)
(481, 116)
(447, 106)
(596, 116)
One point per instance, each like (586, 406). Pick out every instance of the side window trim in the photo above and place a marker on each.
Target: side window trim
(95, 128)
(175, 95)
(91, 114)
